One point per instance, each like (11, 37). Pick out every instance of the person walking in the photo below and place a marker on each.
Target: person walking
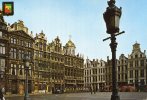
(1, 94)
(2, 90)
(91, 89)
(94, 89)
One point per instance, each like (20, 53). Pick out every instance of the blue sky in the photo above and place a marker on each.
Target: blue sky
(83, 19)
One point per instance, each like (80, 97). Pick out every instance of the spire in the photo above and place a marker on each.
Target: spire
(41, 31)
(69, 36)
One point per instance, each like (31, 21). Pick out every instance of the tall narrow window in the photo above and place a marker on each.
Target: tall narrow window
(2, 48)
(136, 73)
(142, 63)
(1, 34)
(20, 69)
(142, 73)
(14, 40)
(131, 73)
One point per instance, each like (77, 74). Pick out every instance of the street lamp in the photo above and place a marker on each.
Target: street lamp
(26, 62)
(112, 17)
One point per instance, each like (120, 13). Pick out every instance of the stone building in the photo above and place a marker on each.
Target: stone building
(137, 67)
(74, 71)
(87, 74)
(42, 71)
(20, 42)
(108, 86)
(122, 70)
(52, 66)
(3, 51)
(94, 74)
(56, 65)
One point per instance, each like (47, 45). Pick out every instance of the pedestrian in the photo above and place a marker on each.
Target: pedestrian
(91, 89)
(1, 94)
(94, 89)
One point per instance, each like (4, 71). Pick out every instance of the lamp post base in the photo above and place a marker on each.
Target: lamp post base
(27, 98)
(115, 97)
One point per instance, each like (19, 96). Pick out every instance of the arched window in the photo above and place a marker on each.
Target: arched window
(136, 56)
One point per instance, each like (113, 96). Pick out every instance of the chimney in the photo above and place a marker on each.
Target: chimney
(144, 51)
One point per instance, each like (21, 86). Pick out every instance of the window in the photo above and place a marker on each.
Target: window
(126, 67)
(13, 53)
(118, 68)
(19, 55)
(142, 73)
(22, 55)
(136, 73)
(142, 63)
(122, 61)
(29, 54)
(131, 63)
(136, 56)
(122, 76)
(1, 34)
(131, 73)
(11, 39)
(21, 42)
(122, 68)
(131, 81)
(13, 69)
(142, 81)
(118, 77)
(140, 55)
(20, 70)
(2, 48)
(126, 77)
(2, 63)
(14, 41)
(136, 63)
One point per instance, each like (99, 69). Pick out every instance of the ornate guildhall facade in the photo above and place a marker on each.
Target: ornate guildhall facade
(52, 66)
(20, 42)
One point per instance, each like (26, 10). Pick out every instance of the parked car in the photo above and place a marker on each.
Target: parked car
(58, 91)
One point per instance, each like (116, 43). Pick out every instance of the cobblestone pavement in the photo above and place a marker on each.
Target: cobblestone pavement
(83, 96)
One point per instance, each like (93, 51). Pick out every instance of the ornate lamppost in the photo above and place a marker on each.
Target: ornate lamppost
(112, 17)
(26, 63)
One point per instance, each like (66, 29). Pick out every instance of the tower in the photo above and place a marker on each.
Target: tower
(69, 48)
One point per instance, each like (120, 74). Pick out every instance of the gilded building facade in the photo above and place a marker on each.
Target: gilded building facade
(42, 70)
(137, 67)
(95, 74)
(57, 65)
(52, 66)
(74, 70)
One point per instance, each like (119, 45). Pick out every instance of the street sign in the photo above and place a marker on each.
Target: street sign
(8, 8)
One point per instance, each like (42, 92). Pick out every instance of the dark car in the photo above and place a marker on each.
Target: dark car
(58, 91)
